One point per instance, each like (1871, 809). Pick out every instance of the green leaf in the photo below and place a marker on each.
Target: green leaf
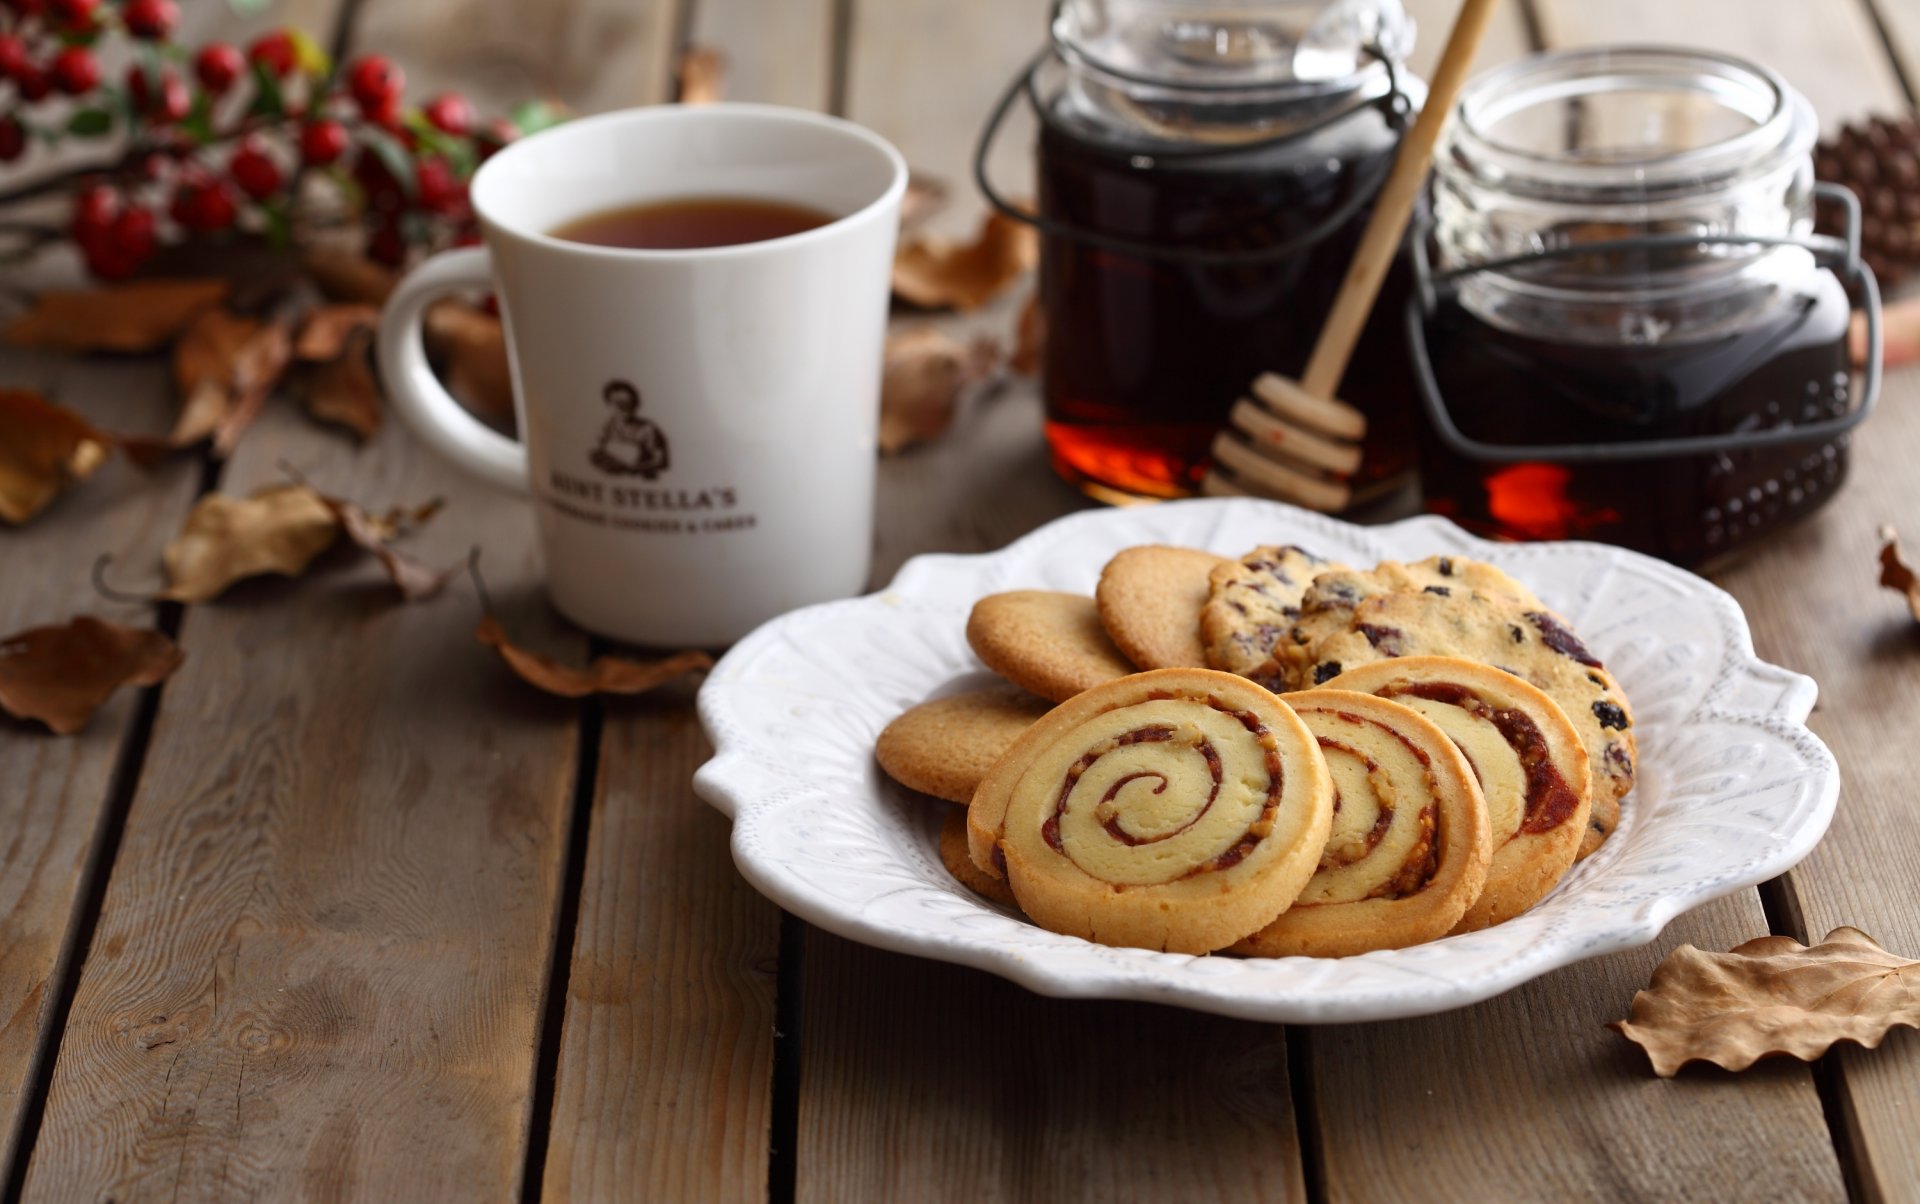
(393, 157)
(245, 7)
(267, 101)
(89, 123)
(198, 123)
(279, 224)
(308, 55)
(532, 116)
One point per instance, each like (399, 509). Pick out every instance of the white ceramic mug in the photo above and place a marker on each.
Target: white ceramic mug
(698, 425)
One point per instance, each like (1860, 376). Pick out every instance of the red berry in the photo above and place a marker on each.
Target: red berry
(256, 174)
(218, 65)
(150, 19)
(376, 85)
(385, 245)
(273, 52)
(132, 234)
(322, 142)
(76, 71)
(32, 83)
(203, 205)
(13, 54)
(26, 8)
(450, 113)
(138, 93)
(13, 139)
(174, 100)
(93, 210)
(107, 262)
(437, 189)
(74, 12)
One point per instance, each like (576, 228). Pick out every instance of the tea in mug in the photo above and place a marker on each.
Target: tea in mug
(691, 222)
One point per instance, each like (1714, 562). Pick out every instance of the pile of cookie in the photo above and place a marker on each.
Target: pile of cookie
(1272, 755)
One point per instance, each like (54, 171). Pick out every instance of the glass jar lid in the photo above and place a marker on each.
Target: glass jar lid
(1286, 47)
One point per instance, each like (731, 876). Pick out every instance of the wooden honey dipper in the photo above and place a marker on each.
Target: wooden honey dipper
(1301, 444)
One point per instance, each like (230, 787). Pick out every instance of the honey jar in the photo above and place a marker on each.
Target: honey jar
(1205, 171)
(1632, 334)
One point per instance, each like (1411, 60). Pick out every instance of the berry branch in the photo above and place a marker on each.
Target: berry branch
(212, 143)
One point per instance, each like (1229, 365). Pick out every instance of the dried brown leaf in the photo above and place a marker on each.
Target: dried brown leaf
(344, 390)
(348, 277)
(1771, 997)
(328, 332)
(374, 534)
(1030, 338)
(938, 274)
(203, 372)
(606, 675)
(44, 451)
(257, 369)
(472, 348)
(921, 381)
(279, 529)
(925, 196)
(61, 675)
(1895, 573)
(144, 315)
(702, 74)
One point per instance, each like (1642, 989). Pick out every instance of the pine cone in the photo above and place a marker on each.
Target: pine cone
(1879, 160)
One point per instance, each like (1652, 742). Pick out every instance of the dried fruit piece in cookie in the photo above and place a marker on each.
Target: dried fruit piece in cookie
(953, 855)
(1048, 643)
(946, 746)
(1529, 762)
(1150, 600)
(1531, 643)
(1328, 604)
(1252, 602)
(1180, 809)
(1410, 844)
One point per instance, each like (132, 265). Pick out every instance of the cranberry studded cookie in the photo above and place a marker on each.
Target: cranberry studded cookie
(1529, 762)
(1180, 810)
(1530, 642)
(1251, 603)
(1410, 843)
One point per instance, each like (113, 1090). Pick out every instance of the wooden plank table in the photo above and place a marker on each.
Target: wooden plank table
(340, 911)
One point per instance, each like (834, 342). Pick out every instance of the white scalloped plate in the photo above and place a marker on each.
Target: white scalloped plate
(1733, 789)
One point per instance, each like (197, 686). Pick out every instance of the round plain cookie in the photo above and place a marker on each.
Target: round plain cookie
(946, 746)
(1410, 843)
(953, 855)
(1529, 761)
(1150, 600)
(1179, 809)
(1048, 643)
(1327, 605)
(1533, 644)
(1251, 603)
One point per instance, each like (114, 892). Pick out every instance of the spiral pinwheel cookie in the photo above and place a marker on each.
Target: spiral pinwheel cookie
(953, 855)
(1048, 643)
(1150, 600)
(1529, 642)
(1529, 761)
(1410, 842)
(1251, 603)
(1180, 809)
(946, 746)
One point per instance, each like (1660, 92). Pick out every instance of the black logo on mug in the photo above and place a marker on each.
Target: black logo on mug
(629, 444)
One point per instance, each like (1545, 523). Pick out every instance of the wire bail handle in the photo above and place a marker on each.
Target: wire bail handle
(1841, 254)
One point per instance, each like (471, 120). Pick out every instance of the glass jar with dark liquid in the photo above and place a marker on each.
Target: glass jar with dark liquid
(1205, 171)
(1592, 214)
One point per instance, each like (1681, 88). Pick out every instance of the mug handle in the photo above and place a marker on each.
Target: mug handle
(428, 408)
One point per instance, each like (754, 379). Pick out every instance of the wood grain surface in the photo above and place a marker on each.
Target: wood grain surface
(319, 965)
(56, 790)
